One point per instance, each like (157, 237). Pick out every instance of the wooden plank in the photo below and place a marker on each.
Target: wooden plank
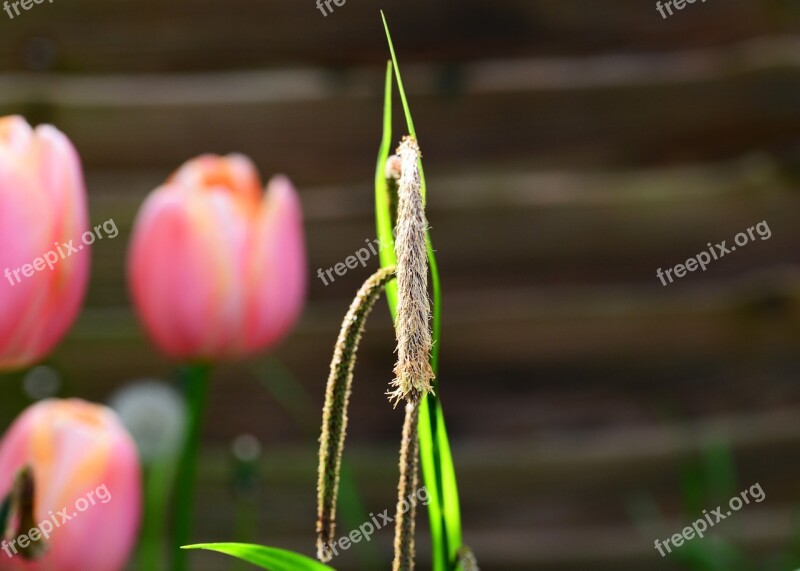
(510, 230)
(124, 36)
(578, 112)
(567, 519)
(516, 328)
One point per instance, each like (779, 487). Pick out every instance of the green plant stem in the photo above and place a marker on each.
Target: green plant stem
(196, 379)
(159, 477)
(246, 525)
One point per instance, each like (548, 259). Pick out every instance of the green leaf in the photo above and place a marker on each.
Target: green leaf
(270, 558)
(404, 100)
(437, 462)
(383, 211)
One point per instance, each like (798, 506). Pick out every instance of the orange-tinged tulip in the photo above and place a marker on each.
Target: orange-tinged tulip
(217, 267)
(86, 489)
(42, 207)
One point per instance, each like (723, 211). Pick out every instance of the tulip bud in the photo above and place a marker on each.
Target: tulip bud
(42, 209)
(84, 486)
(216, 270)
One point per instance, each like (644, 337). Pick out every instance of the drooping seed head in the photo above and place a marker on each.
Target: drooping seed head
(334, 415)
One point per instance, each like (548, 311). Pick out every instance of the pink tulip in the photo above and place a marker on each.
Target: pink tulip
(86, 487)
(216, 267)
(42, 205)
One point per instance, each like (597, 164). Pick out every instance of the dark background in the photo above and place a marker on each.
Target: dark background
(572, 148)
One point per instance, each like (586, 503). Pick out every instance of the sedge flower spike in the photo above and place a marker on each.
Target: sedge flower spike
(413, 372)
(43, 214)
(72, 474)
(217, 268)
(334, 414)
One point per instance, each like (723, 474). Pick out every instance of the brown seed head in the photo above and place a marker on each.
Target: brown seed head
(413, 373)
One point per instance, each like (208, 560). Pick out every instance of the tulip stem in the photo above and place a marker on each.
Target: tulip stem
(195, 379)
(160, 483)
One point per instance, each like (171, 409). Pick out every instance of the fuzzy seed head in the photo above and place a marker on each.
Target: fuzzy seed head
(413, 373)
(334, 414)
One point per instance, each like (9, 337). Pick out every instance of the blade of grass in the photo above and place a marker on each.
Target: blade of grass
(435, 455)
(406, 109)
(270, 558)
(383, 211)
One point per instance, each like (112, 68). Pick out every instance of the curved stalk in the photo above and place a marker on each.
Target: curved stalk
(337, 397)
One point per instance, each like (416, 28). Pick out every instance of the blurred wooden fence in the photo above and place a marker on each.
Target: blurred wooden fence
(572, 147)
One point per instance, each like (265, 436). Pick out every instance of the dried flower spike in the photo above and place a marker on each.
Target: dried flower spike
(337, 396)
(392, 171)
(413, 373)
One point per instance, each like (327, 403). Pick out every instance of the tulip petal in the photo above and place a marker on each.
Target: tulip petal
(216, 270)
(42, 204)
(87, 484)
(185, 261)
(277, 281)
(234, 173)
